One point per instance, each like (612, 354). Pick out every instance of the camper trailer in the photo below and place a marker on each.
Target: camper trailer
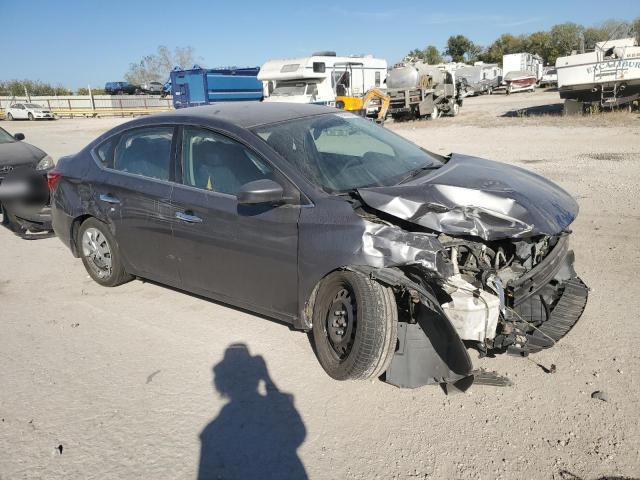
(321, 77)
(609, 76)
(480, 78)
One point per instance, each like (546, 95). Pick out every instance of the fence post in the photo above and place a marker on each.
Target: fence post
(93, 103)
(69, 103)
(121, 110)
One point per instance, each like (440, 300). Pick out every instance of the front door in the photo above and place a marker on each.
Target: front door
(244, 254)
(134, 193)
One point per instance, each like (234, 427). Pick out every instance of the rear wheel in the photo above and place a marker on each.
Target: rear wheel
(30, 115)
(455, 109)
(100, 255)
(355, 322)
(9, 117)
(434, 113)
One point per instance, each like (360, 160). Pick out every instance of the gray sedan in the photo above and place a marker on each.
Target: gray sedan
(395, 258)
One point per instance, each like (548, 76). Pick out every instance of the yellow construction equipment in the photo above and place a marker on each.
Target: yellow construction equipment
(357, 99)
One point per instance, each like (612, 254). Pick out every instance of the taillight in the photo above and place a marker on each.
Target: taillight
(52, 179)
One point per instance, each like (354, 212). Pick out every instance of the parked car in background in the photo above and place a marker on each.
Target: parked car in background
(391, 255)
(29, 111)
(549, 77)
(24, 198)
(152, 88)
(121, 88)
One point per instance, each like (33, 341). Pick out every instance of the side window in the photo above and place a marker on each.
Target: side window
(214, 162)
(143, 151)
(377, 79)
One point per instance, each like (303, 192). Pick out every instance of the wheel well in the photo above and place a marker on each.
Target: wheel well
(75, 228)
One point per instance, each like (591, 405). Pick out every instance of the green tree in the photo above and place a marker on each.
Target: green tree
(503, 45)
(460, 48)
(538, 43)
(432, 55)
(429, 55)
(85, 91)
(593, 35)
(20, 88)
(565, 37)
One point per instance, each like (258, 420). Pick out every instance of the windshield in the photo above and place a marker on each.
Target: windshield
(5, 137)
(340, 152)
(32, 105)
(288, 89)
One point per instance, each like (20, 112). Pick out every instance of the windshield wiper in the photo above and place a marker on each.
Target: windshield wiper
(415, 172)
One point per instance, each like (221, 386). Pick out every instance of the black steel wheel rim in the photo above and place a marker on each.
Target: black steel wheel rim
(341, 322)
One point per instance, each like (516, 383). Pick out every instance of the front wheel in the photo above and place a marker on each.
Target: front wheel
(434, 113)
(455, 110)
(100, 255)
(355, 326)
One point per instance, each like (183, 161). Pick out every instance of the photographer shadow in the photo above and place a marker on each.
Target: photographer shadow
(257, 433)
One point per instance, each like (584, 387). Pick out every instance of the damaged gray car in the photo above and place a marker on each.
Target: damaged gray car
(398, 260)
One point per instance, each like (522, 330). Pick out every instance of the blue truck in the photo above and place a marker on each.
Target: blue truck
(201, 86)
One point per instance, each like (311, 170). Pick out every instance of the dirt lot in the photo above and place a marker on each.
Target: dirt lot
(117, 383)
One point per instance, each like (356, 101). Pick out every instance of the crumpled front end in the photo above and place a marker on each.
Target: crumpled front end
(480, 259)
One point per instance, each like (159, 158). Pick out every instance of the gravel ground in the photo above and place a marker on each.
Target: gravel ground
(117, 383)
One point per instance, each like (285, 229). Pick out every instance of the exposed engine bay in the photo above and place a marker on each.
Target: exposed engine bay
(503, 293)
(487, 267)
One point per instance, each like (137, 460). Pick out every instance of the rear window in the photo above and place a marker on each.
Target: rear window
(143, 151)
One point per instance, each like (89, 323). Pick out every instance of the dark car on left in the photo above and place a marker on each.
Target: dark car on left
(24, 197)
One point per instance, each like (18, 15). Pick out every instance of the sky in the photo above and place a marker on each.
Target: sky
(77, 43)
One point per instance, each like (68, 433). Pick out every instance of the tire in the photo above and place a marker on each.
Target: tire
(359, 342)
(100, 255)
(9, 117)
(455, 110)
(30, 116)
(434, 113)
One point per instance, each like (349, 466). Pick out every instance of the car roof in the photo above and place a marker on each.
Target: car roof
(250, 114)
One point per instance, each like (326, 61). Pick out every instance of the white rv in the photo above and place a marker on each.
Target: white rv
(320, 77)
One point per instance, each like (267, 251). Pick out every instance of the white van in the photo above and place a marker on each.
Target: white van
(318, 78)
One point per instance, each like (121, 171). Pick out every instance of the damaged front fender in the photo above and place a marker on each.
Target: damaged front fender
(429, 350)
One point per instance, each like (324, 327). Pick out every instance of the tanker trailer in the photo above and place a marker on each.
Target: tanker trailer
(421, 90)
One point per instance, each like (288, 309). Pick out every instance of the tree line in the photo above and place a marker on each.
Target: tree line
(558, 41)
(19, 88)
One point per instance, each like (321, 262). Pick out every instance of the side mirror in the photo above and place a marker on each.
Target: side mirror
(260, 191)
(19, 136)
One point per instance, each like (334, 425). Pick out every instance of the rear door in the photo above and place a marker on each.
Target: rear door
(134, 191)
(246, 254)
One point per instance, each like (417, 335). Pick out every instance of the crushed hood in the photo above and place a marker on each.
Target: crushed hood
(473, 196)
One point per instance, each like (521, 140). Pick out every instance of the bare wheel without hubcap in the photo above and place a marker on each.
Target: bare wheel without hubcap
(341, 323)
(97, 251)
(354, 325)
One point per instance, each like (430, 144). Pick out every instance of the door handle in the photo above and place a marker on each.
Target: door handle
(108, 198)
(188, 217)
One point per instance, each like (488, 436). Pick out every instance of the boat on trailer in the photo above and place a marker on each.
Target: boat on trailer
(520, 81)
(609, 76)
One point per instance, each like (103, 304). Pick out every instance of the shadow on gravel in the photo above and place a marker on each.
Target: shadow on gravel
(554, 109)
(257, 433)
